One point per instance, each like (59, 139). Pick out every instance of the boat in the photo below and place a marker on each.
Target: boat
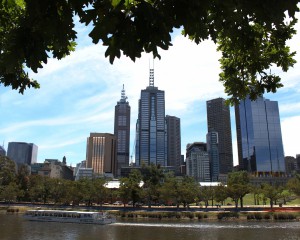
(64, 216)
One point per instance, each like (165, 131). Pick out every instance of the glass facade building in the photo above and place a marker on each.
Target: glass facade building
(22, 153)
(259, 138)
(122, 132)
(151, 135)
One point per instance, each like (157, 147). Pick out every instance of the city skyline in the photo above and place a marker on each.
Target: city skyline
(78, 95)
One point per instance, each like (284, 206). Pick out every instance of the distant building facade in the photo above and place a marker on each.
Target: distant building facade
(259, 138)
(151, 132)
(298, 163)
(173, 142)
(101, 153)
(213, 154)
(85, 173)
(22, 153)
(197, 162)
(2, 151)
(53, 168)
(290, 165)
(122, 132)
(218, 120)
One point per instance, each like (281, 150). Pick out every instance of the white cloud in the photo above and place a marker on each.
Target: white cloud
(290, 135)
(78, 95)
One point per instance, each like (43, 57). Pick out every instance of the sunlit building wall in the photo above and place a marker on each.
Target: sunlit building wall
(101, 153)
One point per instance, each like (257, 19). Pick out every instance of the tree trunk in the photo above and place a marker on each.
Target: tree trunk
(236, 201)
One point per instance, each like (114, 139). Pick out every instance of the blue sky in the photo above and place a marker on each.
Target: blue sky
(78, 95)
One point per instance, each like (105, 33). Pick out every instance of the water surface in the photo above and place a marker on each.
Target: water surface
(14, 227)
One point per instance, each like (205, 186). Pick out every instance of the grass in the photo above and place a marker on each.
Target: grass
(248, 200)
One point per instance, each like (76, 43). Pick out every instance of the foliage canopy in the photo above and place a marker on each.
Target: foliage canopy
(251, 35)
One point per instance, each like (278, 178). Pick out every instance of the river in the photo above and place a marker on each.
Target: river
(14, 227)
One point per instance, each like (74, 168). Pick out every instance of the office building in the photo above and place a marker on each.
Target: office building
(101, 153)
(151, 134)
(122, 132)
(290, 165)
(22, 153)
(213, 154)
(2, 151)
(173, 142)
(298, 163)
(197, 162)
(218, 120)
(259, 139)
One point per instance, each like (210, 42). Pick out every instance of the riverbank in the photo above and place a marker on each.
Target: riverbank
(228, 215)
(276, 214)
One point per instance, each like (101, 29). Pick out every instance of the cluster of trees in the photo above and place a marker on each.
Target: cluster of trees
(151, 187)
(251, 35)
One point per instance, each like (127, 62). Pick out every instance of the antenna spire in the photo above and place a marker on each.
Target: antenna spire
(151, 75)
(123, 96)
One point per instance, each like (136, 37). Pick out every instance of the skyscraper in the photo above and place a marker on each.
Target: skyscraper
(218, 119)
(101, 153)
(173, 142)
(22, 153)
(213, 154)
(260, 147)
(2, 151)
(151, 135)
(122, 132)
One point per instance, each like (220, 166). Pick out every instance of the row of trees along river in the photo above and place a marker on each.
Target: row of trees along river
(153, 187)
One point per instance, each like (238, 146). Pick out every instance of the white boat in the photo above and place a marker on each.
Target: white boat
(69, 216)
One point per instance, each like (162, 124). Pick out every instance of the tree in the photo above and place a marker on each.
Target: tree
(22, 178)
(38, 190)
(171, 191)
(152, 179)
(10, 193)
(272, 193)
(7, 171)
(221, 194)
(206, 193)
(130, 188)
(57, 190)
(294, 185)
(189, 190)
(257, 194)
(251, 35)
(238, 186)
(101, 191)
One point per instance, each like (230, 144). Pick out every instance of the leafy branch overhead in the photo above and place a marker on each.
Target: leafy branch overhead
(251, 35)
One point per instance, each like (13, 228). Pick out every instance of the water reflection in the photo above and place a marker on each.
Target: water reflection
(13, 227)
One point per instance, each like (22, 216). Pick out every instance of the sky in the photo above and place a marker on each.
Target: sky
(78, 95)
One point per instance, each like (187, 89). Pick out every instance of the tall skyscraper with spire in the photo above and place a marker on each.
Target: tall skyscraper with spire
(122, 132)
(151, 131)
